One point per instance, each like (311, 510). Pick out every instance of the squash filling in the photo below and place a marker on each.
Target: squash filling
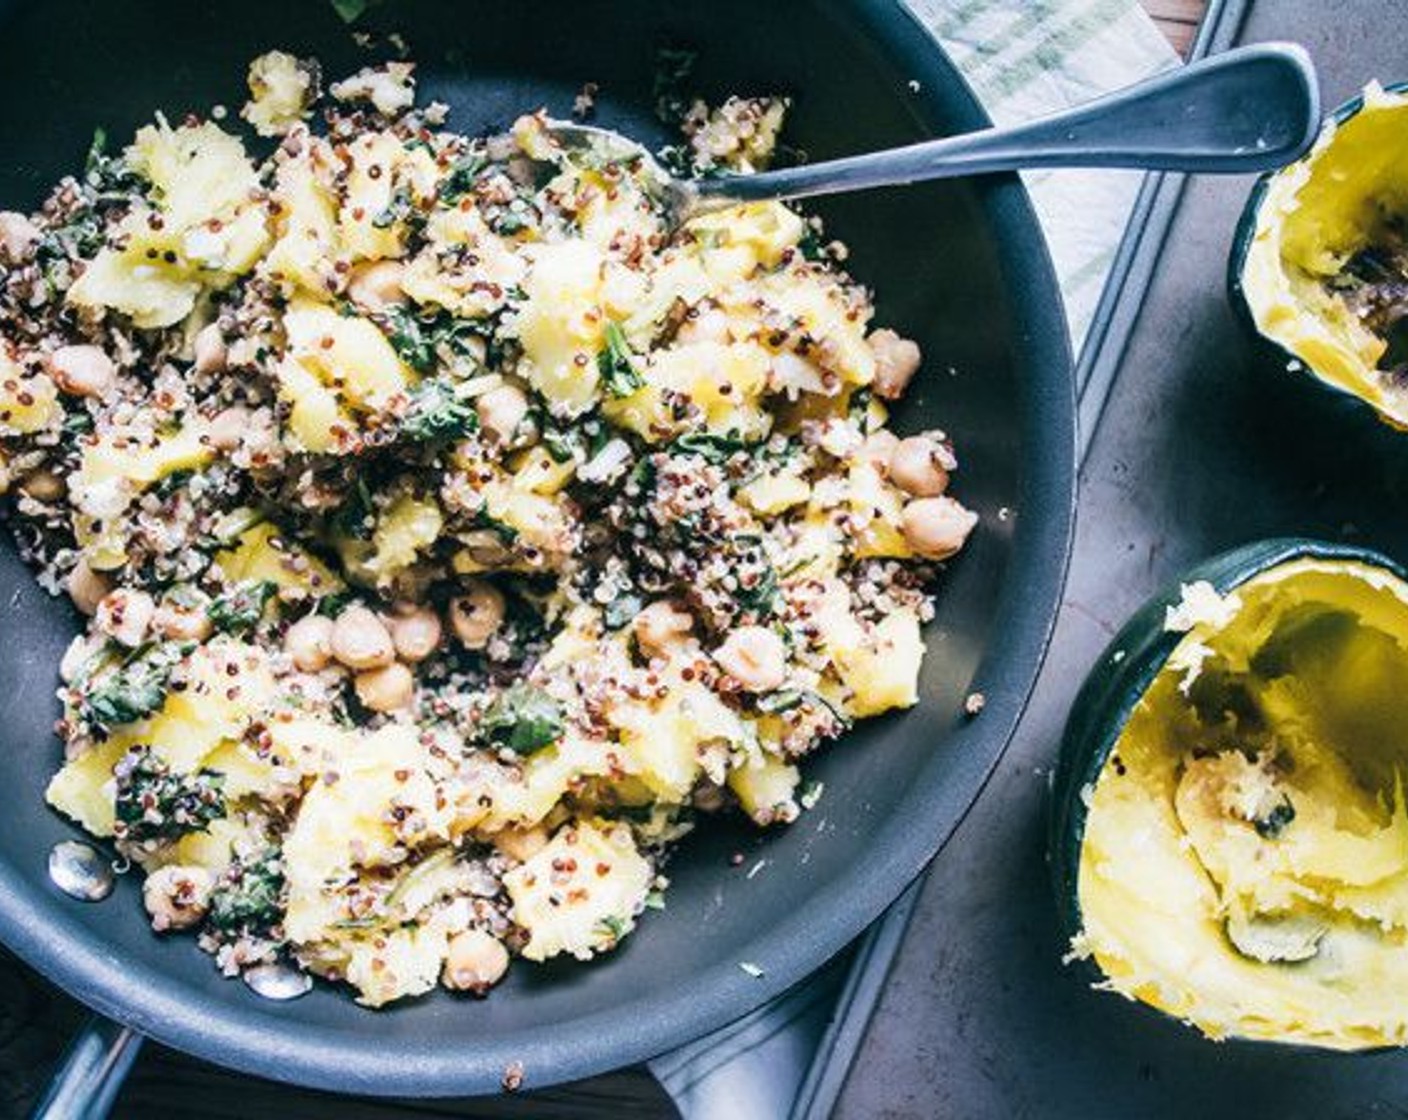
(1245, 861)
(1324, 275)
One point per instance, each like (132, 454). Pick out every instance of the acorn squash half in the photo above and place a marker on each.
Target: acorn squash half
(1319, 263)
(1229, 837)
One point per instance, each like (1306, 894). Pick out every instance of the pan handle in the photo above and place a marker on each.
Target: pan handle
(91, 1073)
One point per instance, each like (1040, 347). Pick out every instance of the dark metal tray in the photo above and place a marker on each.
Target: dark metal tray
(1194, 452)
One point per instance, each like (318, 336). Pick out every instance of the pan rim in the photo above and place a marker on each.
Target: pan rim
(258, 1042)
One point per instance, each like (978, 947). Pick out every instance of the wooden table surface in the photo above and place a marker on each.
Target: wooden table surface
(36, 1020)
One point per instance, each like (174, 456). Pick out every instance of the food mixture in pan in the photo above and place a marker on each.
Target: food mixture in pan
(450, 534)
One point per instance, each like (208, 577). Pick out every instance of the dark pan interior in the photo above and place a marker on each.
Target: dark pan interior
(960, 266)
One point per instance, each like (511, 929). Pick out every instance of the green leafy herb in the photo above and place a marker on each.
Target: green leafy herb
(462, 176)
(811, 244)
(77, 423)
(96, 149)
(616, 364)
(781, 701)
(437, 412)
(358, 517)
(621, 610)
(135, 689)
(330, 606)
(711, 448)
(613, 928)
(241, 607)
(419, 340)
(858, 407)
(673, 69)
(522, 718)
(77, 239)
(483, 519)
(397, 210)
(509, 223)
(655, 900)
(762, 598)
(152, 803)
(562, 444)
(249, 900)
(352, 10)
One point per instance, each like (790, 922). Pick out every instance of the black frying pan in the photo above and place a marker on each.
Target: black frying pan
(961, 266)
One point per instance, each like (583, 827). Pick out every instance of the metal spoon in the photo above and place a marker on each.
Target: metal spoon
(1250, 109)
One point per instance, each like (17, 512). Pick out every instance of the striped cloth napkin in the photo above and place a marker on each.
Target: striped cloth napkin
(1023, 58)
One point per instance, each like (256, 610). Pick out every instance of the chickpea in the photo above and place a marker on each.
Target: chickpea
(82, 371)
(878, 447)
(228, 428)
(211, 353)
(87, 588)
(521, 844)
(44, 486)
(309, 643)
(125, 616)
(17, 236)
(177, 897)
(377, 286)
(501, 411)
(919, 466)
(937, 527)
(387, 689)
(476, 961)
(181, 623)
(477, 614)
(360, 640)
(896, 361)
(415, 631)
(754, 656)
(661, 627)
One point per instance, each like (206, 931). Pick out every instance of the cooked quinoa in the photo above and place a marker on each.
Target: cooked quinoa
(450, 533)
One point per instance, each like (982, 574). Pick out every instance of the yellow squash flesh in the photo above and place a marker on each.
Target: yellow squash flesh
(1255, 795)
(1316, 214)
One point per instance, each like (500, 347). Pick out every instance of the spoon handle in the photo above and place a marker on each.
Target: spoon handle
(1247, 110)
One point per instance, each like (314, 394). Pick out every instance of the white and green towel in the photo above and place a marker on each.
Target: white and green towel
(1023, 58)
(1026, 58)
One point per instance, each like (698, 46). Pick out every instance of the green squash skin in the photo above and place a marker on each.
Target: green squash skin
(1117, 683)
(1273, 359)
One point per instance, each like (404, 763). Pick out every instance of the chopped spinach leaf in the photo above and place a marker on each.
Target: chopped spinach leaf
(522, 718)
(249, 900)
(437, 412)
(616, 364)
(397, 210)
(462, 176)
(621, 610)
(673, 69)
(762, 598)
(330, 606)
(96, 149)
(419, 341)
(483, 519)
(241, 607)
(152, 803)
(711, 448)
(352, 10)
(613, 928)
(135, 689)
